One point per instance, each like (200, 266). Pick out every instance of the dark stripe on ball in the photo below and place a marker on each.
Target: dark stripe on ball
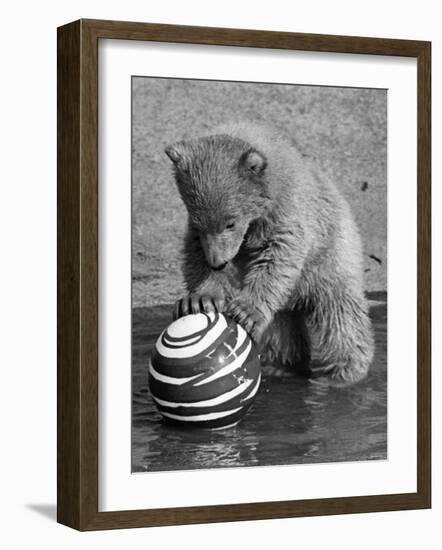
(192, 408)
(197, 390)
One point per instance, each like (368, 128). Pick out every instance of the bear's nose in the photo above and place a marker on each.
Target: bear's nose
(219, 267)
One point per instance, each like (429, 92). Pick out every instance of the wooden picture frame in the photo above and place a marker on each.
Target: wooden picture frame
(78, 274)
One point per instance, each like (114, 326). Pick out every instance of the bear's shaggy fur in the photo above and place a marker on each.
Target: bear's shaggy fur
(273, 243)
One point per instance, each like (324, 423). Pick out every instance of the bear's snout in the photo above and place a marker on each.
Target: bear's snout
(216, 250)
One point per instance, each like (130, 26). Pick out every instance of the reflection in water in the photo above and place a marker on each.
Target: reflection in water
(292, 421)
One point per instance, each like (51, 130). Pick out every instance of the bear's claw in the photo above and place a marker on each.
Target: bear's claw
(197, 303)
(247, 315)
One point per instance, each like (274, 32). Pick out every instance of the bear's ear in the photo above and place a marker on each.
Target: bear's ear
(254, 162)
(178, 155)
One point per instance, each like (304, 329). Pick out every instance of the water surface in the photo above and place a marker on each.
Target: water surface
(293, 420)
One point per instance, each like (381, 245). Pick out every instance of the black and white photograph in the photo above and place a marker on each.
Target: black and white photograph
(259, 274)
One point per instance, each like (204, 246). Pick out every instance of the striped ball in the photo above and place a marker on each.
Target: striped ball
(204, 371)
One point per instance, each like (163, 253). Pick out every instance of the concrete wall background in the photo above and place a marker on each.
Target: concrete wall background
(343, 129)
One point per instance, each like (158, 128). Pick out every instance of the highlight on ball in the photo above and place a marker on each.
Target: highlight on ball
(204, 371)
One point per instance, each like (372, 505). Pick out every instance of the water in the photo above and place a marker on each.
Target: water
(293, 420)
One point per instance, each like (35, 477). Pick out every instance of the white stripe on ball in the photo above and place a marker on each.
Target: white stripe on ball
(255, 389)
(208, 402)
(186, 326)
(242, 335)
(181, 343)
(171, 379)
(201, 417)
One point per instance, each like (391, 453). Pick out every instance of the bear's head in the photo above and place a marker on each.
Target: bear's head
(222, 181)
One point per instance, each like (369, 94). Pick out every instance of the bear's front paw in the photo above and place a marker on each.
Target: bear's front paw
(248, 316)
(197, 303)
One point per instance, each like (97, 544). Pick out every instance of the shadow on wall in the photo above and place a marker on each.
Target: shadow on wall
(343, 129)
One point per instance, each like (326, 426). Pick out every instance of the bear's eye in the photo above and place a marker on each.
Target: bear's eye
(230, 225)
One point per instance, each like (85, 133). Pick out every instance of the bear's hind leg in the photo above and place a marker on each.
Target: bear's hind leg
(343, 339)
(286, 344)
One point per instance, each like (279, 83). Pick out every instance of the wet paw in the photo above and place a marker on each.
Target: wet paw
(271, 371)
(197, 303)
(248, 316)
(340, 374)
